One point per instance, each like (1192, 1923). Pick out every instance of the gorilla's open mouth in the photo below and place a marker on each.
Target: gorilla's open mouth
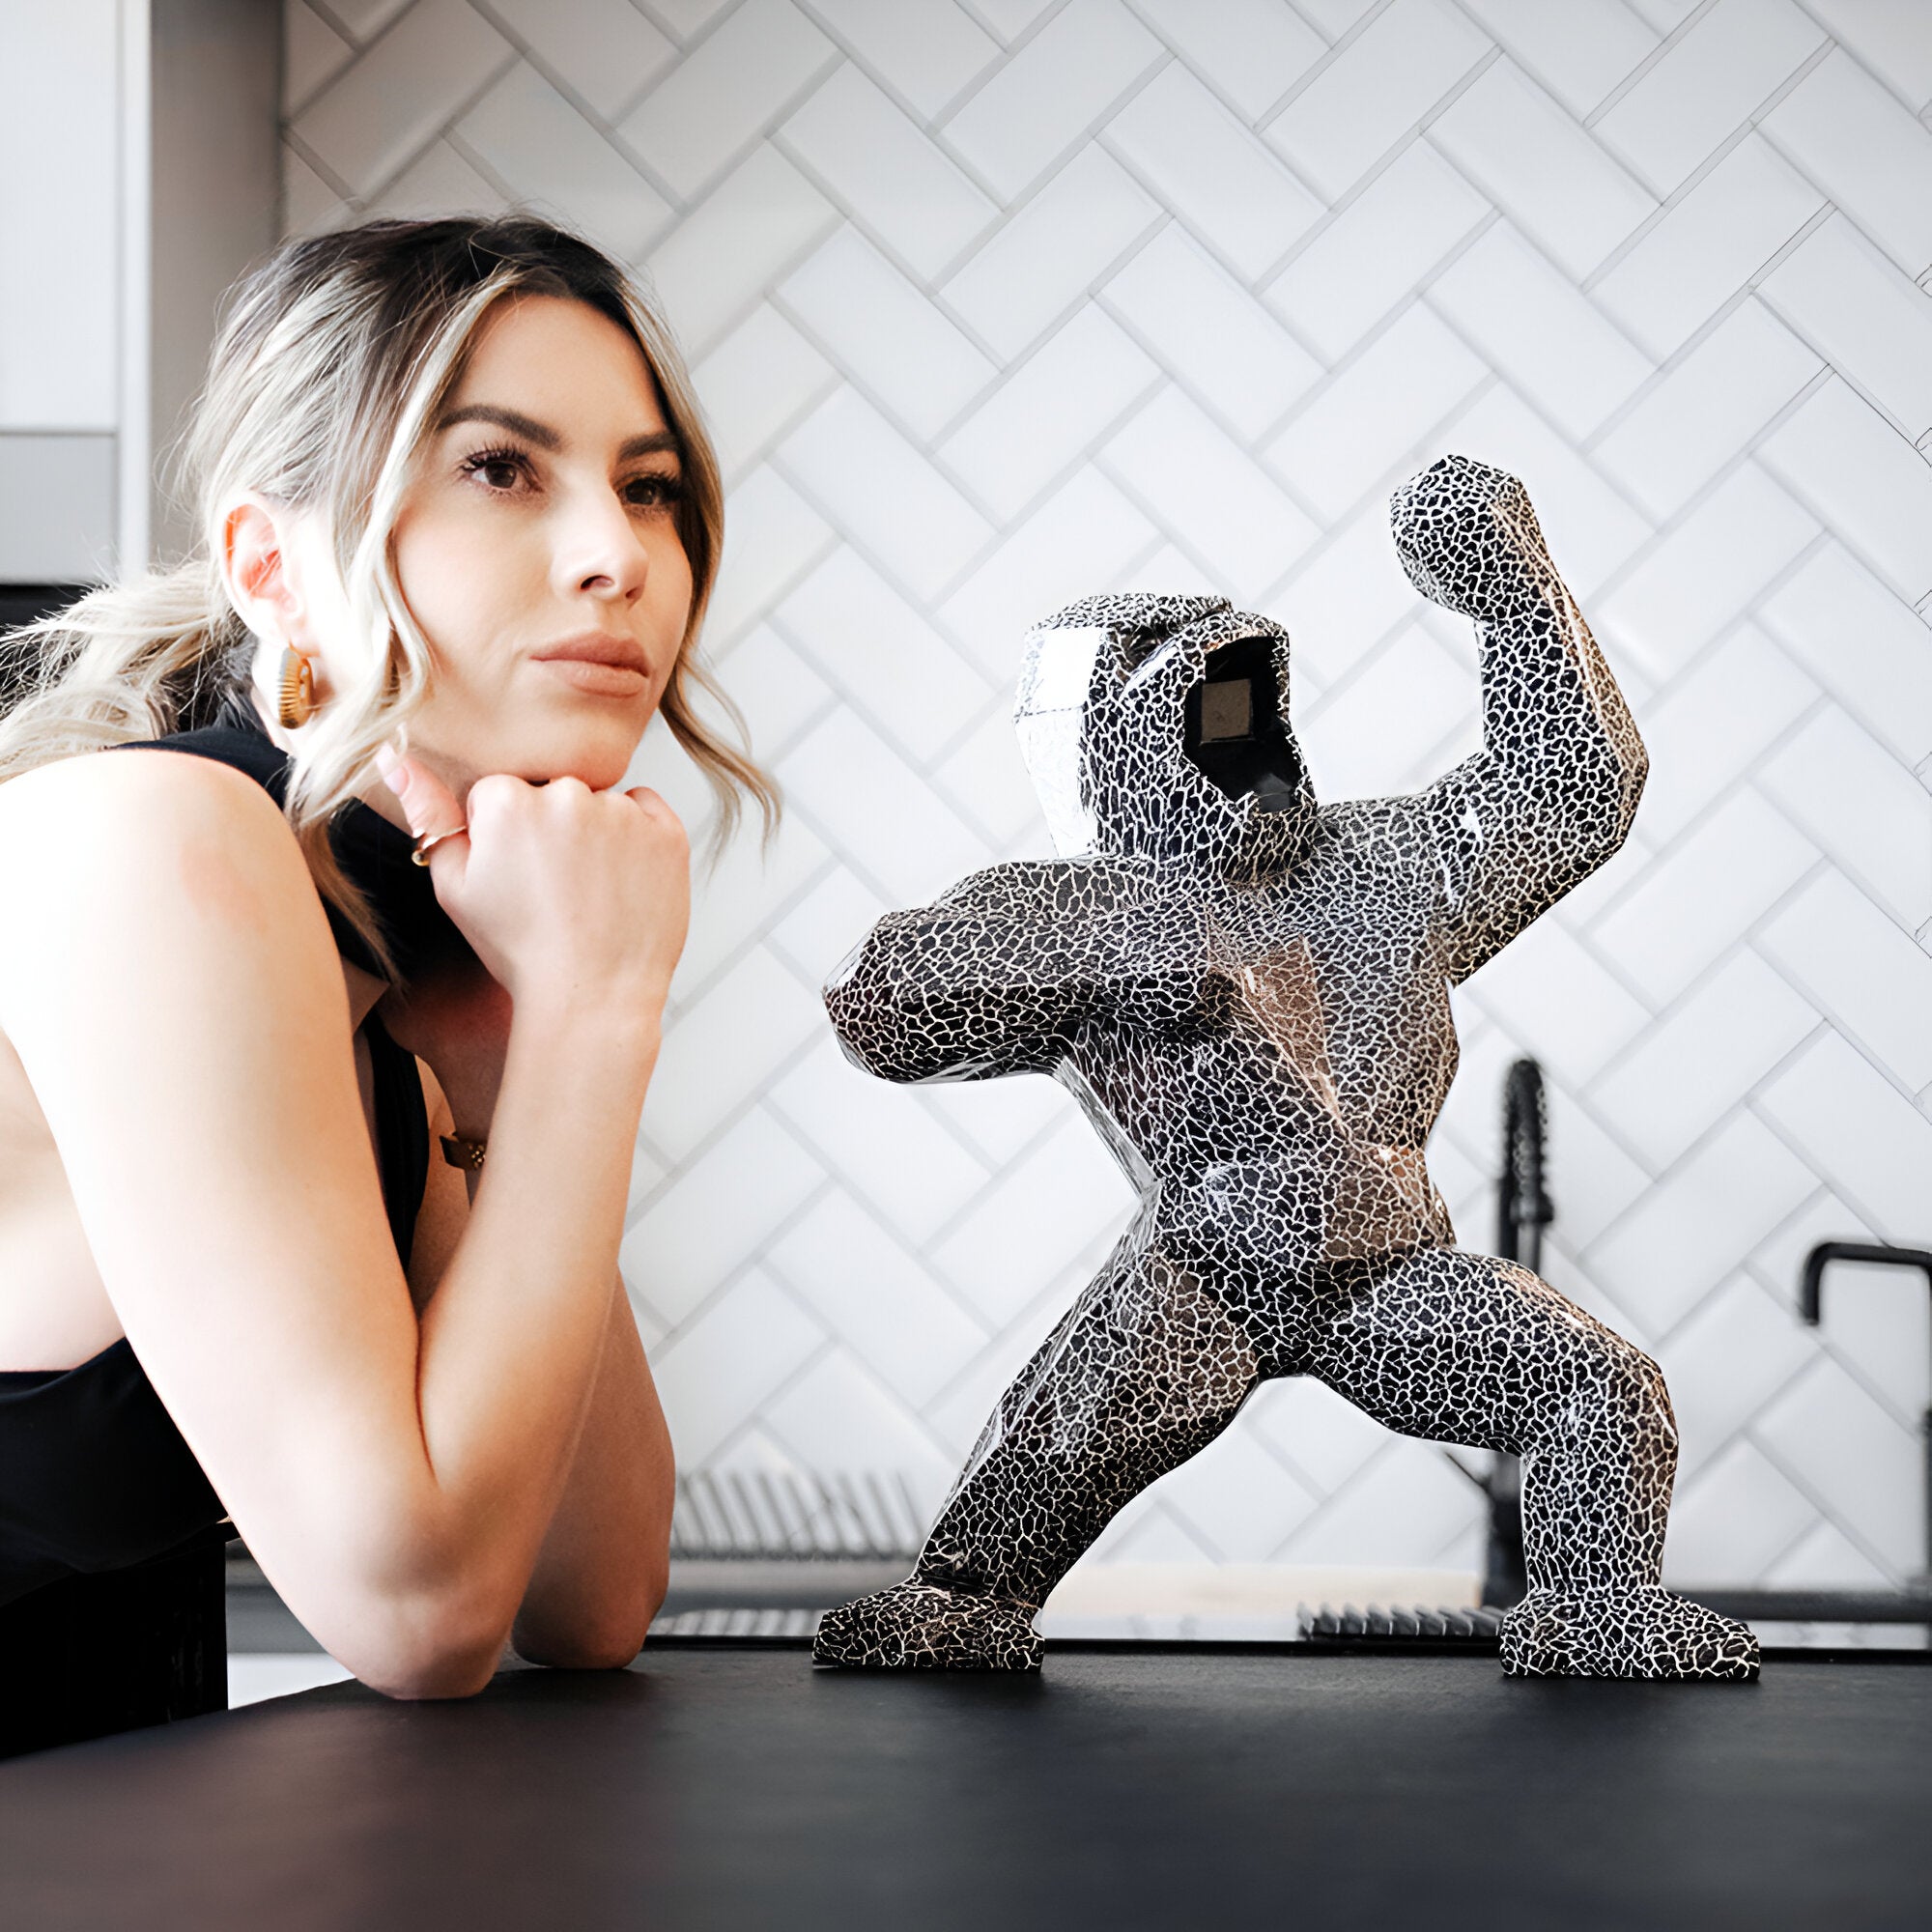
(1234, 731)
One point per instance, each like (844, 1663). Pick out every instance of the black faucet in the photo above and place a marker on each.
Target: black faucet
(1810, 1304)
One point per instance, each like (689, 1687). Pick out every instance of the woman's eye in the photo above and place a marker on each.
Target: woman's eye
(655, 492)
(498, 470)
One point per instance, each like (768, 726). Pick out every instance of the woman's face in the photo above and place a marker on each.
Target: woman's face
(539, 552)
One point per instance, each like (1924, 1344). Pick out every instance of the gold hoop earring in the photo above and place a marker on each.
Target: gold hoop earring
(297, 705)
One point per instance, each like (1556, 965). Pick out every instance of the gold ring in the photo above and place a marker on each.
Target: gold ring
(423, 847)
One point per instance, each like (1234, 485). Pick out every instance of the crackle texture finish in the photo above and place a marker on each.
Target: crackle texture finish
(1248, 993)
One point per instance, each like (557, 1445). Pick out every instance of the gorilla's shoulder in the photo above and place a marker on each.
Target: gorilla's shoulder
(1057, 888)
(1387, 836)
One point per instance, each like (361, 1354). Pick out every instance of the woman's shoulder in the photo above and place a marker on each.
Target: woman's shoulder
(144, 802)
(144, 857)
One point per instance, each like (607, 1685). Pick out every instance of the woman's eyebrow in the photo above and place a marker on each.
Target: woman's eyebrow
(547, 439)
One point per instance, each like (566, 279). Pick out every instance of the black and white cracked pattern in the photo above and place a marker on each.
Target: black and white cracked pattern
(1248, 992)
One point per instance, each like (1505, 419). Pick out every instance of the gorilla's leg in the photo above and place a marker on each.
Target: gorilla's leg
(1461, 1347)
(1145, 1369)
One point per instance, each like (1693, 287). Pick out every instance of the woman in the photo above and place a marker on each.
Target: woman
(455, 499)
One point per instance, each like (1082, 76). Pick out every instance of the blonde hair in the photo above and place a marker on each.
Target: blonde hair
(333, 359)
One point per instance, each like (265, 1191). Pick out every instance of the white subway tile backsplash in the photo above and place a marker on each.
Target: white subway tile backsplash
(716, 1214)
(1050, 92)
(1084, 536)
(1579, 51)
(1684, 1074)
(1713, 725)
(728, 1042)
(1532, 158)
(1736, 1519)
(1854, 470)
(1845, 132)
(1207, 329)
(924, 51)
(881, 655)
(1375, 251)
(1855, 1127)
(1704, 571)
(1250, 51)
(1590, 527)
(859, 1281)
(1525, 315)
(1194, 155)
(370, 122)
(723, 1369)
(1376, 414)
(1706, 86)
(1858, 1460)
(774, 538)
(1367, 98)
(1861, 968)
(1871, 815)
(886, 334)
(862, 796)
(1383, 730)
(757, 384)
(1865, 315)
(1051, 251)
(533, 140)
(890, 498)
(1691, 423)
(1862, 643)
(1209, 494)
(1891, 38)
(313, 53)
(439, 179)
(1701, 1219)
(714, 267)
(726, 93)
(1708, 243)
(1687, 909)
(887, 174)
(604, 49)
(1555, 997)
(1343, 599)
(1048, 412)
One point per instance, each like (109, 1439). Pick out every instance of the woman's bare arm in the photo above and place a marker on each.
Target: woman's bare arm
(171, 987)
(601, 1573)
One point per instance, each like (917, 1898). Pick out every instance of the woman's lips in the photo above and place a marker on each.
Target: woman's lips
(602, 680)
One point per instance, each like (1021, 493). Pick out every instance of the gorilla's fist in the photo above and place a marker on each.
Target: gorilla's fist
(1468, 539)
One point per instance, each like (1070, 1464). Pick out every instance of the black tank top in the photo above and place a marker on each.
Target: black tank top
(94, 1474)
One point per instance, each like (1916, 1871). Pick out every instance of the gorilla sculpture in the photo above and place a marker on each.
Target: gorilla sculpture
(1248, 993)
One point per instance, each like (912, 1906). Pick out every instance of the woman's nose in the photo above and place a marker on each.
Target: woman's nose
(600, 551)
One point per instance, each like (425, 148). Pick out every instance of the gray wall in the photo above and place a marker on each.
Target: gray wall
(998, 303)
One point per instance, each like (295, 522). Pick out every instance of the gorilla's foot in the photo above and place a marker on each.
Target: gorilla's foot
(916, 1626)
(1625, 1631)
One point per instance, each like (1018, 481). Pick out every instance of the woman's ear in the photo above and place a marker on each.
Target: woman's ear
(259, 567)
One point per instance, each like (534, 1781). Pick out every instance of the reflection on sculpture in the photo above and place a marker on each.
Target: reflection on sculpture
(1249, 994)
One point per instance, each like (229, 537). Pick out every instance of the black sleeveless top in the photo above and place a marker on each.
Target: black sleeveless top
(94, 1474)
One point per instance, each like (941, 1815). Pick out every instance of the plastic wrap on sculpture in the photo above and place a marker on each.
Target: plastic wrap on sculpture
(1248, 992)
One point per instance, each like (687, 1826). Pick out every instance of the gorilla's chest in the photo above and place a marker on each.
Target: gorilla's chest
(1348, 999)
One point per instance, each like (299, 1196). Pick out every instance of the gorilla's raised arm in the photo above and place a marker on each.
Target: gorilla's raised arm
(1552, 792)
(999, 974)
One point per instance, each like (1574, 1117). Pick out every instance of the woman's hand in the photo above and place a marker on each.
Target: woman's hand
(571, 897)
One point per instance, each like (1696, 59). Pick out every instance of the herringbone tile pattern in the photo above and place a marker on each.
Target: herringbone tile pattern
(998, 302)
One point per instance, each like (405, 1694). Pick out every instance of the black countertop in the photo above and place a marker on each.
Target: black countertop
(719, 1786)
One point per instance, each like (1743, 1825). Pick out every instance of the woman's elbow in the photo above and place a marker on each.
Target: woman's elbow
(417, 1652)
(596, 1636)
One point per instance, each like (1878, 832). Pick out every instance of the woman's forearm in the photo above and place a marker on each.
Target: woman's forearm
(602, 1571)
(510, 1345)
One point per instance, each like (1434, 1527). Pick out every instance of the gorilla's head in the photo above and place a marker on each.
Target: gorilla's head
(1157, 728)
